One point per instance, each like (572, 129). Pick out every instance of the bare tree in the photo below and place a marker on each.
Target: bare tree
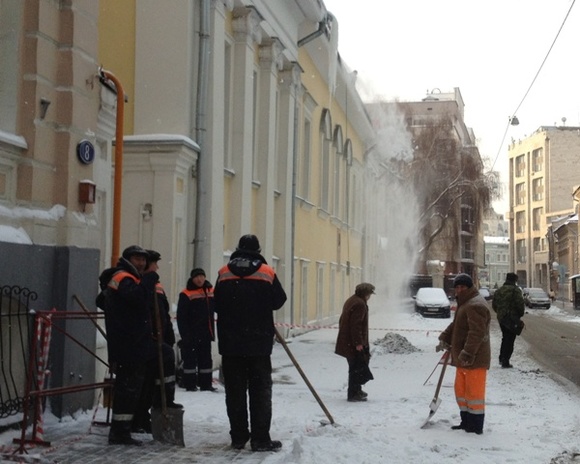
(446, 175)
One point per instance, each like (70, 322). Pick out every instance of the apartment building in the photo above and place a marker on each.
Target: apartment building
(543, 172)
(437, 127)
(496, 250)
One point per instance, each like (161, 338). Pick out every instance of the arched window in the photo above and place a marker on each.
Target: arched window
(325, 142)
(338, 169)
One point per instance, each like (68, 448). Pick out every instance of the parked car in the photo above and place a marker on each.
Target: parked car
(430, 301)
(537, 298)
(485, 292)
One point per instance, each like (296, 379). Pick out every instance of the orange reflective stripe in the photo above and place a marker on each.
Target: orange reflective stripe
(119, 276)
(197, 293)
(264, 273)
(159, 288)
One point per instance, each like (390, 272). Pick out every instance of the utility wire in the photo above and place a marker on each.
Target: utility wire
(530, 87)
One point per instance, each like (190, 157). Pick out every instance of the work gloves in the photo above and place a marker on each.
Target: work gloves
(466, 359)
(443, 346)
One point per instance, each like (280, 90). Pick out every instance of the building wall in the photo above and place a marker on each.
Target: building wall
(51, 100)
(52, 103)
(262, 88)
(542, 177)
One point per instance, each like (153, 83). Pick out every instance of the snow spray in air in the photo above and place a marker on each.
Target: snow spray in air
(393, 204)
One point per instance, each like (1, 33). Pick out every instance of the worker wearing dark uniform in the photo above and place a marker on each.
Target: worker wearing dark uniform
(246, 293)
(126, 296)
(195, 321)
(150, 396)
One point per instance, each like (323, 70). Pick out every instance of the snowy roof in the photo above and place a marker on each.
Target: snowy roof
(496, 240)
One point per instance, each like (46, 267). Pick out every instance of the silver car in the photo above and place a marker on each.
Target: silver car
(537, 298)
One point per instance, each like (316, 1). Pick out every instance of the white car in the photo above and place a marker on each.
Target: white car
(431, 301)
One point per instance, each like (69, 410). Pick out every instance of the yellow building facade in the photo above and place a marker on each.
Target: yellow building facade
(281, 147)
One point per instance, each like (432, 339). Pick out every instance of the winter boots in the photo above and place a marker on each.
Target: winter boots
(190, 381)
(471, 423)
(271, 445)
(357, 396)
(120, 434)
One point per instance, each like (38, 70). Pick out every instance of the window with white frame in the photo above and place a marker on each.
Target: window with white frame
(325, 144)
(337, 158)
(319, 291)
(520, 166)
(348, 205)
(304, 291)
(538, 189)
(305, 161)
(537, 159)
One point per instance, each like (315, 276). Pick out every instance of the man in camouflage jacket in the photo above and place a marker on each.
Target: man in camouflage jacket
(508, 303)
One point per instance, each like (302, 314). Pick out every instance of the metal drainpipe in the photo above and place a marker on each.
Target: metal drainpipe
(203, 178)
(118, 180)
(293, 203)
(317, 33)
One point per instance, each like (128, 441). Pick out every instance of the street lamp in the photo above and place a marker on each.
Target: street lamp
(514, 121)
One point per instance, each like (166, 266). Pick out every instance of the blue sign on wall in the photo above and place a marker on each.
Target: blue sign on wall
(85, 152)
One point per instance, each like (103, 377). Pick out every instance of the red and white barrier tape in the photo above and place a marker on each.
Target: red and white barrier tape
(335, 326)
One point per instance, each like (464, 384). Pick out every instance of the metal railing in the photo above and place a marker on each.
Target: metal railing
(15, 333)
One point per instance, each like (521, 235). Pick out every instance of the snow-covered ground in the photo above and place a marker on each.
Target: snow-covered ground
(531, 416)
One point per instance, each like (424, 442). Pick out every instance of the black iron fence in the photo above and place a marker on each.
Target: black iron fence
(15, 336)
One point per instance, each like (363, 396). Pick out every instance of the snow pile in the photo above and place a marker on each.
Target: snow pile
(393, 343)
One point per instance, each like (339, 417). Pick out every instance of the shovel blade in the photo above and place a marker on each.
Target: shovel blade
(435, 405)
(432, 409)
(167, 427)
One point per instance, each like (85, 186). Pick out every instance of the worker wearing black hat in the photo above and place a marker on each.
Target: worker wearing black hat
(195, 322)
(508, 303)
(467, 338)
(247, 292)
(150, 393)
(125, 297)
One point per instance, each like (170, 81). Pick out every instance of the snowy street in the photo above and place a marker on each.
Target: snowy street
(530, 416)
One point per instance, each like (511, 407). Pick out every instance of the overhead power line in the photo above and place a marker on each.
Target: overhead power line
(531, 85)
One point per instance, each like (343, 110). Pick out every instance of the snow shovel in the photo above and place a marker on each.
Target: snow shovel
(436, 401)
(303, 375)
(166, 423)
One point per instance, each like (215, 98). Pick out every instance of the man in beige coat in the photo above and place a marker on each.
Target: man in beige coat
(467, 337)
(353, 337)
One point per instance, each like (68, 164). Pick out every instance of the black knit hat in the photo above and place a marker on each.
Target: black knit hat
(249, 242)
(197, 271)
(511, 277)
(135, 250)
(463, 279)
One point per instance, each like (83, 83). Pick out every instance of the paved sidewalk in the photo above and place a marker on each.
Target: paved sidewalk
(80, 441)
(92, 448)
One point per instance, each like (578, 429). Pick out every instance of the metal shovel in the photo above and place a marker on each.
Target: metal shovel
(436, 401)
(166, 423)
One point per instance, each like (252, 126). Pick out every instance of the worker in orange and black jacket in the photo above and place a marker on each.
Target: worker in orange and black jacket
(150, 394)
(126, 296)
(246, 293)
(195, 322)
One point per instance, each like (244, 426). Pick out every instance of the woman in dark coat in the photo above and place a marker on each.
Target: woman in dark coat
(353, 337)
